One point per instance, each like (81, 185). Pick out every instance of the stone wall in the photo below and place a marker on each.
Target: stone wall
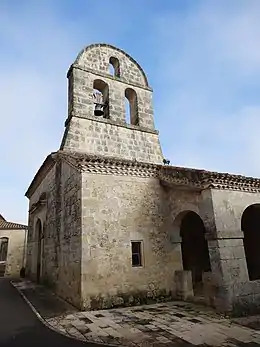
(96, 58)
(116, 211)
(236, 293)
(16, 251)
(69, 278)
(102, 138)
(47, 215)
(81, 102)
(61, 221)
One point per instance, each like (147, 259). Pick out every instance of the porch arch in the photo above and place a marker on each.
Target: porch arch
(250, 225)
(194, 248)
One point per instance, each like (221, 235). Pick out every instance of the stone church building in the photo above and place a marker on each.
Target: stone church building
(110, 224)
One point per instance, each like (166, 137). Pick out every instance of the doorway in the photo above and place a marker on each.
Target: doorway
(195, 253)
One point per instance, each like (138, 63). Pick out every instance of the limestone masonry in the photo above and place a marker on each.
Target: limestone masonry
(12, 247)
(111, 225)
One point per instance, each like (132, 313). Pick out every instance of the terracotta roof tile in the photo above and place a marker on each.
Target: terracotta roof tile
(4, 225)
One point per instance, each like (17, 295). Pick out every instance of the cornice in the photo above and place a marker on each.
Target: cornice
(202, 179)
(109, 165)
(226, 181)
(172, 176)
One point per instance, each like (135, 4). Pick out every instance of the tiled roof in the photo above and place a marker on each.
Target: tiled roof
(4, 225)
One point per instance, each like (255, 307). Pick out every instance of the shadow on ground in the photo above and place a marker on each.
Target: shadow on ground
(19, 327)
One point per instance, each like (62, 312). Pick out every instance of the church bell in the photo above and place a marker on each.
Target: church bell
(99, 104)
(99, 110)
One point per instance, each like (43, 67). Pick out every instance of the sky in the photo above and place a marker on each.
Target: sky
(202, 59)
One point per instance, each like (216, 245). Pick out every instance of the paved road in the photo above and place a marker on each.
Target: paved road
(20, 327)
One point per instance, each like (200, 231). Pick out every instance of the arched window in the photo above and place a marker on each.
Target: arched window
(250, 225)
(101, 98)
(114, 67)
(131, 107)
(3, 248)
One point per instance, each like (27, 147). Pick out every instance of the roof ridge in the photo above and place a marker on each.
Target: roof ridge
(4, 224)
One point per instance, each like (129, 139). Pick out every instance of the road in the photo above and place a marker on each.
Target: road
(20, 327)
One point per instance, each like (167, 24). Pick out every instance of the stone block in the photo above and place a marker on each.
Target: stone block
(183, 284)
(209, 288)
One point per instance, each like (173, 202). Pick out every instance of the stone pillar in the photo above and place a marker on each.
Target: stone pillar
(225, 244)
(209, 288)
(228, 264)
(183, 284)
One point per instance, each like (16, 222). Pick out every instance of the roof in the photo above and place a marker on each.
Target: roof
(41, 173)
(173, 175)
(4, 225)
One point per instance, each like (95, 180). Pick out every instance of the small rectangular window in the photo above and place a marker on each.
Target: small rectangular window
(136, 253)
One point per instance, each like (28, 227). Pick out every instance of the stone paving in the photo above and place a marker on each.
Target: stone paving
(163, 324)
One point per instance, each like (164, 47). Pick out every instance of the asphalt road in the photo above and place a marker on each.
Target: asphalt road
(20, 327)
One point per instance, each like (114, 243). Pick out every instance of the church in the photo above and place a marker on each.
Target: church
(111, 223)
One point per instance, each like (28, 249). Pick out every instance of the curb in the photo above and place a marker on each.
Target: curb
(48, 325)
(36, 312)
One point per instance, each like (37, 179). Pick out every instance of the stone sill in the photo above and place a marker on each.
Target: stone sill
(109, 121)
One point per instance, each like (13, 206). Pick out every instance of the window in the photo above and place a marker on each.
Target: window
(136, 253)
(3, 248)
(131, 107)
(114, 67)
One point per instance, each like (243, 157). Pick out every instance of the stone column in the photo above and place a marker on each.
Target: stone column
(182, 278)
(229, 266)
(226, 248)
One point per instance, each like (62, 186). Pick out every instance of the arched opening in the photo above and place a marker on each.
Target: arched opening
(114, 67)
(101, 99)
(39, 240)
(3, 248)
(250, 225)
(195, 253)
(131, 107)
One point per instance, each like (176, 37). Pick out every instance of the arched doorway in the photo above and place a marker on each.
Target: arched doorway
(39, 240)
(195, 253)
(250, 225)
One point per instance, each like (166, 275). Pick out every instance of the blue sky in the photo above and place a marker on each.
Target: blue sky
(202, 59)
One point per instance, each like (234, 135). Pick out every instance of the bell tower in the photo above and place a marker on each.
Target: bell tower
(100, 81)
